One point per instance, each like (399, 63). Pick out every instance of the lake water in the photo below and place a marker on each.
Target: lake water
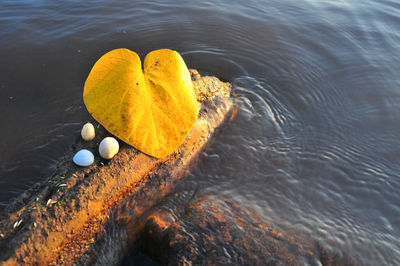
(315, 147)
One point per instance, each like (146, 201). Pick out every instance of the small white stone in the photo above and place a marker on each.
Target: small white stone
(88, 132)
(83, 158)
(108, 147)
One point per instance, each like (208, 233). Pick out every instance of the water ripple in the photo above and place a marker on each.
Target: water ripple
(315, 145)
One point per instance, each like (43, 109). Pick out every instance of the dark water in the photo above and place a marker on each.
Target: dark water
(316, 144)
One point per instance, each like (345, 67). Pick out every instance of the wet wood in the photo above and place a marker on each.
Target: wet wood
(214, 230)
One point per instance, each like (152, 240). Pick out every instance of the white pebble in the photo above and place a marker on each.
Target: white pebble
(83, 158)
(108, 147)
(88, 132)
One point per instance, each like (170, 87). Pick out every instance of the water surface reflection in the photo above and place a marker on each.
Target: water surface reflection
(315, 146)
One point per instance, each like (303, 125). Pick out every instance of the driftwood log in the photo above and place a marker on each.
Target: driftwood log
(58, 222)
(96, 215)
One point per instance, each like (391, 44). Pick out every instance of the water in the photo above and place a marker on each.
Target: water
(316, 144)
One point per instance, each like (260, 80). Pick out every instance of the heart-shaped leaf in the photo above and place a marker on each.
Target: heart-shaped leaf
(152, 110)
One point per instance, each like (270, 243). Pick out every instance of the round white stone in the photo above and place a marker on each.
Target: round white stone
(88, 132)
(108, 147)
(83, 158)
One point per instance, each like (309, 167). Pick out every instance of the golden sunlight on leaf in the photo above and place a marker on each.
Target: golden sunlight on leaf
(152, 110)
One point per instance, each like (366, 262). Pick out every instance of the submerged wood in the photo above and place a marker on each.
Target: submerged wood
(63, 220)
(215, 230)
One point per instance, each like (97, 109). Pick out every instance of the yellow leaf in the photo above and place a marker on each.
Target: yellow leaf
(152, 110)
